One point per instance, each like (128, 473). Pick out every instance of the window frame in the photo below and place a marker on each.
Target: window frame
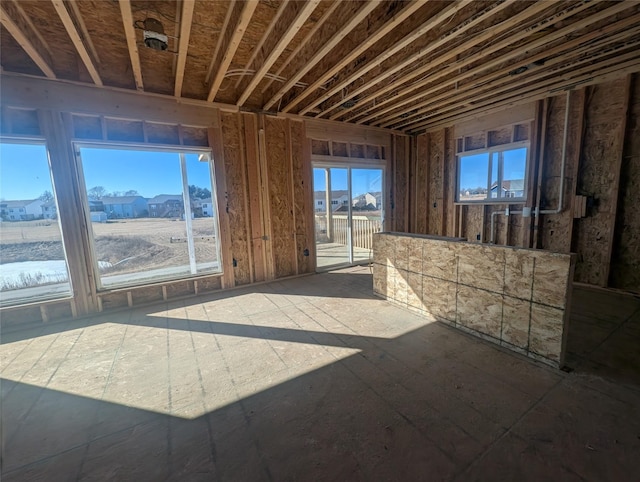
(175, 149)
(498, 149)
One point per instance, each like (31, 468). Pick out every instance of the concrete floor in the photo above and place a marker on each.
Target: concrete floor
(331, 254)
(306, 379)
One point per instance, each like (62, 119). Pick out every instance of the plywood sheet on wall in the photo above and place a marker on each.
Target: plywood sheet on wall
(435, 182)
(401, 184)
(421, 182)
(280, 192)
(236, 196)
(300, 188)
(597, 178)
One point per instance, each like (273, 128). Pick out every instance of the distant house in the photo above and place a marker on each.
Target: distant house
(21, 210)
(513, 188)
(166, 206)
(206, 206)
(339, 199)
(49, 210)
(118, 207)
(368, 200)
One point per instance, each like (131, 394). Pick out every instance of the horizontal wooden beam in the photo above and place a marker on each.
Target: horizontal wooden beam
(38, 93)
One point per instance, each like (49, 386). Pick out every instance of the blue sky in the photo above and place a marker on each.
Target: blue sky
(364, 180)
(474, 169)
(25, 173)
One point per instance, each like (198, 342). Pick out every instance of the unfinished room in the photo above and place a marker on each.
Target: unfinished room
(320, 240)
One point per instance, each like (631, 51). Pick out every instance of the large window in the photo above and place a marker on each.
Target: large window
(32, 258)
(493, 175)
(153, 214)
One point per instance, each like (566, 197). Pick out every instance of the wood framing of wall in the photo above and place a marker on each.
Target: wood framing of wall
(262, 173)
(599, 220)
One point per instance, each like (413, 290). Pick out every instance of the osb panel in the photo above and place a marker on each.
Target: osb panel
(24, 121)
(358, 150)
(521, 132)
(414, 290)
(439, 298)
(87, 127)
(340, 149)
(100, 17)
(421, 181)
(516, 318)
(439, 260)
(401, 183)
(114, 300)
(236, 185)
(450, 182)
(146, 295)
(473, 222)
(550, 276)
(372, 152)
(14, 59)
(436, 186)
(280, 192)
(59, 311)
(475, 141)
(625, 263)
(479, 310)
(301, 204)
(179, 289)
(209, 284)
(555, 229)
(546, 331)
(15, 316)
(597, 177)
(162, 133)
(518, 274)
(124, 130)
(500, 136)
(320, 148)
(194, 136)
(516, 227)
(481, 267)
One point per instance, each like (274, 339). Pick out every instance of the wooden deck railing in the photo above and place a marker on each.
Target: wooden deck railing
(363, 229)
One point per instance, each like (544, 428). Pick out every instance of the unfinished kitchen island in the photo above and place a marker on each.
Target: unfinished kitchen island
(517, 298)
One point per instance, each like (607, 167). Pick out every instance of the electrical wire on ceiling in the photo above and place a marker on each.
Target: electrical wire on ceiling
(277, 78)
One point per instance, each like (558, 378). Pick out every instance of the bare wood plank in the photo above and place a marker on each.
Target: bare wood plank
(255, 198)
(319, 24)
(275, 53)
(266, 202)
(132, 46)
(35, 49)
(183, 43)
(308, 193)
(617, 168)
(245, 183)
(540, 171)
(326, 48)
(230, 49)
(392, 23)
(258, 47)
(576, 156)
(84, 32)
(289, 154)
(223, 31)
(81, 48)
(216, 142)
(423, 90)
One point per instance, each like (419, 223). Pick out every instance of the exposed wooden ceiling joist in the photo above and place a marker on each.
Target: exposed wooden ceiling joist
(22, 32)
(392, 23)
(319, 24)
(132, 45)
(246, 10)
(328, 46)
(81, 48)
(570, 49)
(183, 43)
(448, 56)
(223, 29)
(302, 16)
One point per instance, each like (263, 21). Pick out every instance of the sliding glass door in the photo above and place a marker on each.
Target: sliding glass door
(348, 206)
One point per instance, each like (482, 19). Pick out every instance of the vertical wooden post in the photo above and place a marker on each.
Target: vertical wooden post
(289, 151)
(245, 198)
(266, 199)
(307, 173)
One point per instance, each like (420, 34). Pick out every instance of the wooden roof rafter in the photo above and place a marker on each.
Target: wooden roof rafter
(388, 26)
(76, 39)
(319, 24)
(21, 29)
(301, 17)
(132, 45)
(186, 20)
(352, 23)
(245, 12)
(570, 48)
(445, 57)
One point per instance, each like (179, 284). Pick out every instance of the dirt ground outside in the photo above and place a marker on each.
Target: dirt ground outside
(128, 245)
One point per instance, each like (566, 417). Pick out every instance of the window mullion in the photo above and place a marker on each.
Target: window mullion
(187, 214)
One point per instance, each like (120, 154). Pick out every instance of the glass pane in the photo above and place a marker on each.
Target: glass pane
(513, 172)
(332, 210)
(138, 216)
(367, 209)
(32, 258)
(473, 174)
(203, 212)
